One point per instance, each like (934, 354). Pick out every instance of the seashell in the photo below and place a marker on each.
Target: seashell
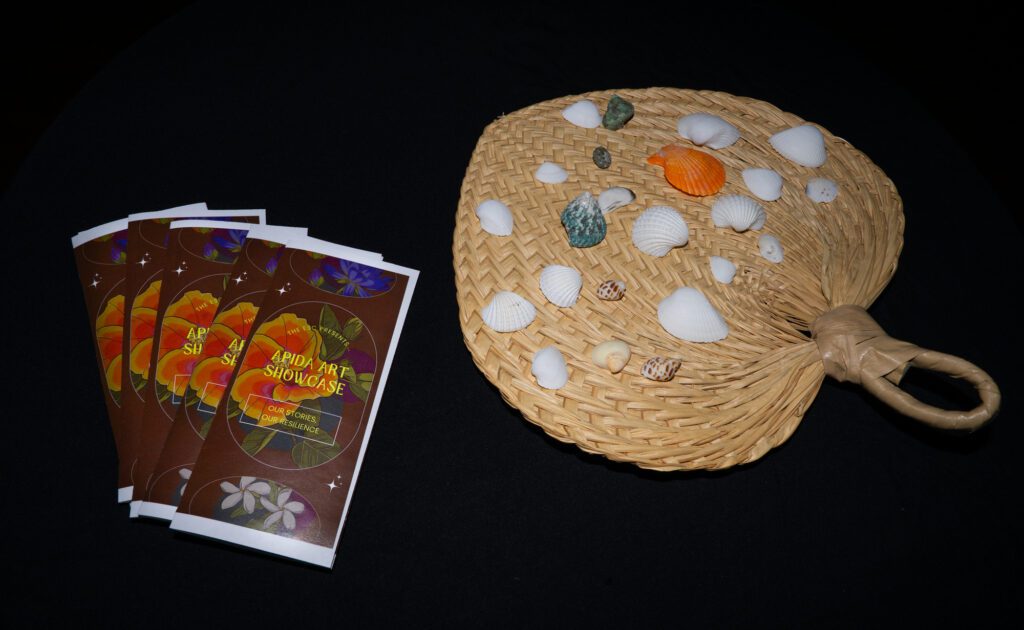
(765, 183)
(584, 222)
(548, 367)
(602, 157)
(561, 285)
(722, 269)
(583, 114)
(611, 290)
(508, 312)
(804, 145)
(691, 171)
(550, 173)
(660, 368)
(658, 230)
(822, 190)
(688, 315)
(771, 248)
(615, 197)
(708, 130)
(618, 113)
(495, 217)
(739, 212)
(613, 355)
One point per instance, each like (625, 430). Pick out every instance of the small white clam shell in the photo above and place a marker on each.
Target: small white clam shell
(613, 355)
(822, 190)
(659, 229)
(739, 212)
(708, 130)
(583, 114)
(550, 173)
(804, 145)
(561, 285)
(771, 248)
(688, 315)
(548, 367)
(722, 269)
(765, 183)
(508, 311)
(495, 217)
(615, 197)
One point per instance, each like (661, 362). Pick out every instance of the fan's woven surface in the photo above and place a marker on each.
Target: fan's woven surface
(731, 401)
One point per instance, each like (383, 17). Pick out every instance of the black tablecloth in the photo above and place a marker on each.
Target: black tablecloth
(360, 126)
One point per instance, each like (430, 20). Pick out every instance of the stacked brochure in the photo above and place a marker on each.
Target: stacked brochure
(242, 365)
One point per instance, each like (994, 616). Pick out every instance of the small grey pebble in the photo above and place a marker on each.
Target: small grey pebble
(602, 157)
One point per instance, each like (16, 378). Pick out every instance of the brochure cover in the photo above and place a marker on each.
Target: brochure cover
(100, 257)
(213, 367)
(200, 258)
(147, 247)
(283, 452)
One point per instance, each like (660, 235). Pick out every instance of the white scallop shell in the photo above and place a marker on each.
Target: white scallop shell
(765, 183)
(583, 114)
(688, 315)
(822, 190)
(550, 173)
(708, 130)
(561, 285)
(739, 212)
(722, 269)
(614, 198)
(659, 229)
(508, 311)
(771, 248)
(804, 145)
(495, 217)
(549, 368)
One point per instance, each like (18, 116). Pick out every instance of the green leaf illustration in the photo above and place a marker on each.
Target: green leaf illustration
(233, 409)
(257, 440)
(307, 453)
(191, 397)
(162, 393)
(335, 343)
(359, 384)
(353, 328)
(205, 429)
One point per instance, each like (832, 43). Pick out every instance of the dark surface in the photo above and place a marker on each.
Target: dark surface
(360, 128)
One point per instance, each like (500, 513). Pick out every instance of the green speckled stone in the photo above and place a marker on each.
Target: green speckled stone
(618, 113)
(602, 157)
(584, 222)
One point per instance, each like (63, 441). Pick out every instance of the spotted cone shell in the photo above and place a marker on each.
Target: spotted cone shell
(660, 368)
(611, 290)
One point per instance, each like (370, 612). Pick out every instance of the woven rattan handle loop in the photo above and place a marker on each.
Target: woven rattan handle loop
(854, 348)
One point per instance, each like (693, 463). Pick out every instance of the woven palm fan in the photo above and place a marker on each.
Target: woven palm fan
(789, 323)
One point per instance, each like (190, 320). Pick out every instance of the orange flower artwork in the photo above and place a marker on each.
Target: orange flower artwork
(182, 333)
(141, 329)
(224, 343)
(109, 331)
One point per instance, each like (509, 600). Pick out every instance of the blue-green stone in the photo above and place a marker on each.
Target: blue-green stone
(584, 221)
(618, 113)
(602, 157)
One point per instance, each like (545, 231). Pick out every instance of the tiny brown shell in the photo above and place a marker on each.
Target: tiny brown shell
(611, 290)
(660, 368)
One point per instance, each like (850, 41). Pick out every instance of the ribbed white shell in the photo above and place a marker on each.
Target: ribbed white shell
(822, 190)
(708, 130)
(583, 114)
(508, 312)
(765, 183)
(550, 173)
(548, 367)
(771, 248)
(614, 198)
(561, 285)
(722, 269)
(739, 212)
(658, 230)
(804, 145)
(495, 217)
(688, 315)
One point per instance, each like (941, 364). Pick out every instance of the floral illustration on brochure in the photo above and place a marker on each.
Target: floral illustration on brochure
(140, 334)
(350, 279)
(109, 331)
(183, 332)
(266, 506)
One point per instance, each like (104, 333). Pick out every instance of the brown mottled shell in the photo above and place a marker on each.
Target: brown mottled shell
(660, 368)
(611, 290)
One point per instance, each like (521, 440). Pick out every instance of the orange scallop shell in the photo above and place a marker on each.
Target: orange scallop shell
(691, 171)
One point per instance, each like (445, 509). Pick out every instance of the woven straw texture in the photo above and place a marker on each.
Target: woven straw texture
(731, 401)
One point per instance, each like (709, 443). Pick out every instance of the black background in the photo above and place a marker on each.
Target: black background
(359, 124)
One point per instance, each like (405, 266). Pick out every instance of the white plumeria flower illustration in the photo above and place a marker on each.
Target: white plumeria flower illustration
(186, 474)
(245, 492)
(282, 509)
